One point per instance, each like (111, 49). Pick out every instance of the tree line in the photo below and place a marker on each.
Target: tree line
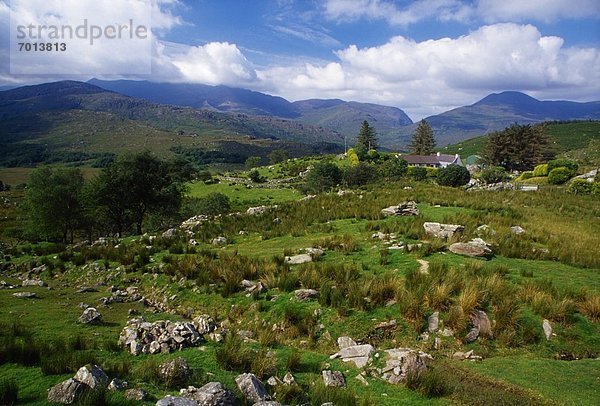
(118, 200)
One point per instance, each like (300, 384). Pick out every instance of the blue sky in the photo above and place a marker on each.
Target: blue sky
(423, 56)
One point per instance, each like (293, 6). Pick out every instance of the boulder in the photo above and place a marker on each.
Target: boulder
(445, 231)
(403, 209)
(204, 323)
(547, 329)
(433, 322)
(476, 248)
(345, 341)
(92, 376)
(401, 362)
(252, 211)
(174, 372)
(219, 241)
(357, 354)
(298, 259)
(34, 282)
(138, 394)
(333, 378)
(211, 394)
(306, 294)
(480, 320)
(518, 230)
(90, 316)
(67, 392)
(117, 385)
(170, 233)
(251, 387)
(176, 401)
(25, 295)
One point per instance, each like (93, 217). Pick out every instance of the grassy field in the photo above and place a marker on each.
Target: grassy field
(550, 272)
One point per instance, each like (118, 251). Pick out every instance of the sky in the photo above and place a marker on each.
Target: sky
(424, 57)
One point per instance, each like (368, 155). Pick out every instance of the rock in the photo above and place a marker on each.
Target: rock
(446, 231)
(358, 354)
(138, 394)
(379, 236)
(90, 316)
(362, 379)
(518, 230)
(314, 252)
(267, 403)
(25, 295)
(117, 385)
(194, 222)
(92, 376)
(34, 282)
(211, 394)
(274, 381)
(170, 233)
(251, 387)
(289, 379)
(433, 322)
(472, 335)
(252, 211)
(306, 294)
(219, 241)
(174, 372)
(424, 266)
(403, 209)
(476, 248)
(401, 362)
(67, 392)
(547, 329)
(86, 289)
(345, 341)
(161, 336)
(485, 230)
(298, 259)
(333, 378)
(204, 323)
(176, 401)
(481, 321)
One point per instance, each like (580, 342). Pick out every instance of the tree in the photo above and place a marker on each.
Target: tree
(361, 174)
(352, 157)
(256, 177)
(323, 176)
(493, 174)
(54, 199)
(423, 141)
(278, 155)
(518, 147)
(453, 175)
(213, 204)
(394, 168)
(367, 140)
(252, 162)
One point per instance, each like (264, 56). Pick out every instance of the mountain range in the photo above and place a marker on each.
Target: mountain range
(114, 116)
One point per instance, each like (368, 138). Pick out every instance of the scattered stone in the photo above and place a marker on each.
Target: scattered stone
(298, 259)
(480, 319)
(174, 372)
(274, 381)
(485, 230)
(25, 295)
(289, 379)
(34, 282)
(251, 387)
(314, 252)
(401, 362)
(90, 316)
(469, 355)
(518, 230)
(424, 266)
(170, 233)
(204, 324)
(446, 231)
(251, 286)
(333, 378)
(211, 394)
(403, 209)
(138, 394)
(176, 401)
(345, 341)
(362, 379)
(306, 294)
(267, 403)
(433, 322)
(246, 335)
(476, 248)
(117, 385)
(194, 222)
(139, 336)
(379, 236)
(358, 354)
(67, 392)
(219, 241)
(92, 376)
(252, 211)
(547, 329)
(86, 289)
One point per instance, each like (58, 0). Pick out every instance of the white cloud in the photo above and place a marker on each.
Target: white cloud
(537, 10)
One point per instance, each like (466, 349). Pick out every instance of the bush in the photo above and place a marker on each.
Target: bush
(393, 168)
(432, 172)
(9, 392)
(540, 170)
(453, 175)
(495, 174)
(580, 187)
(323, 176)
(562, 163)
(213, 204)
(526, 175)
(558, 176)
(256, 177)
(360, 174)
(417, 172)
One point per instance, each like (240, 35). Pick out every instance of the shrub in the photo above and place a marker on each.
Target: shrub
(213, 204)
(9, 392)
(432, 172)
(495, 174)
(541, 170)
(361, 174)
(590, 307)
(233, 355)
(256, 177)
(417, 173)
(525, 175)
(558, 176)
(562, 163)
(323, 176)
(393, 168)
(453, 175)
(580, 187)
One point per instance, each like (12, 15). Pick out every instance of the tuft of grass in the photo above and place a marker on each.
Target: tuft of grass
(9, 392)
(431, 383)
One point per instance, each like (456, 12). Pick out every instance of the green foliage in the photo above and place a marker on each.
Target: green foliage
(393, 168)
(352, 157)
(9, 392)
(54, 200)
(423, 141)
(367, 140)
(256, 177)
(278, 155)
(252, 162)
(580, 187)
(494, 174)
(359, 175)
(432, 172)
(518, 147)
(212, 204)
(323, 176)
(525, 175)
(417, 173)
(558, 176)
(453, 175)
(541, 170)
(563, 163)
(431, 383)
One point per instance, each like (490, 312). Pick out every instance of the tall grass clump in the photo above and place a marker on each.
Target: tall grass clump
(431, 383)
(590, 307)
(9, 392)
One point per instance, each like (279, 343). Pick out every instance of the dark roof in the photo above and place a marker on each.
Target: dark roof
(421, 159)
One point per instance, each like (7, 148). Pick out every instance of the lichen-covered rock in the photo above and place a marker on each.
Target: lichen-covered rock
(67, 392)
(306, 294)
(401, 362)
(476, 248)
(174, 372)
(298, 259)
(176, 401)
(138, 394)
(357, 354)
(345, 341)
(403, 209)
(333, 378)
(90, 316)
(433, 322)
(211, 394)
(438, 230)
(92, 376)
(251, 387)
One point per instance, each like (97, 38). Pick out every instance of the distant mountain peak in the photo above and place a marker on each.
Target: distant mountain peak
(508, 97)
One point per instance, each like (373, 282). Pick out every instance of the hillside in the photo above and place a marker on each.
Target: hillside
(78, 117)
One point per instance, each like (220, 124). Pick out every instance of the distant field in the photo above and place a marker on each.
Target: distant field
(16, 176)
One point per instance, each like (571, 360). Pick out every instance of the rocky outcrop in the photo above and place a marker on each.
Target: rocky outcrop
(176, 401)
(306, 294)
(402, 362)
(251, 387)
(90, 316)
(476, 248)
(142, 337)
(194, 222)
(211, 394)
(92, 376)
(67, 392)
(481, 326)
(445, 231)
(333, 378)
(357, 354)
(403, 209)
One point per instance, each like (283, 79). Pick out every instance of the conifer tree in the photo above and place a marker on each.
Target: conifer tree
(367, 139)
(423, 141)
